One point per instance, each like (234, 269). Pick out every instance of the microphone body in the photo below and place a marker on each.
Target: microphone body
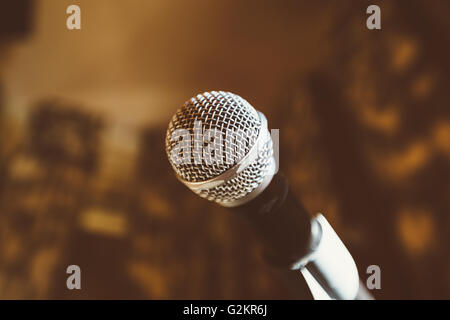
(282, 222)
(292, 238)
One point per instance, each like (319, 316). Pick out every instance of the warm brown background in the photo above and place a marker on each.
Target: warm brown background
(363, 117)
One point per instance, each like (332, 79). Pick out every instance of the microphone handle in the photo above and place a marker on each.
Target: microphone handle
(282, 222)
(293, 239)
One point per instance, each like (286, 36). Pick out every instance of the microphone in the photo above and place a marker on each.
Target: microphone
(220, 147)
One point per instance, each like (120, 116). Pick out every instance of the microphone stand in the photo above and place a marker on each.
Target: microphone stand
(329, 270)
(296, 240)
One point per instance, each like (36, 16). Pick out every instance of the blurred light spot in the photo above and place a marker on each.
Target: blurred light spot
(150, 279)
(156, 205)
(42, 270)
(219, 228)
(32, 200)
(11, 249)
(261, 281)
(385, 121)
(404, 53)
(402, 164)
(421, 87)
(24, 168)
(441, 137)
(97, 220)
(416, 229)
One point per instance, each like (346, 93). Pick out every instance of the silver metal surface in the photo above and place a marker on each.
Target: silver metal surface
(226, 183)
(330, 263)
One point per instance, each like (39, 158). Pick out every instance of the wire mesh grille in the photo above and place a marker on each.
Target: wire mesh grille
(245, 182)
(223, 112)
(220, 111)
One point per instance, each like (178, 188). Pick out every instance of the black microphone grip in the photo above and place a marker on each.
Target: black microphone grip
(281, 221)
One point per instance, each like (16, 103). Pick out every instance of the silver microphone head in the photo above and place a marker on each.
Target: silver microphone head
(220, 148)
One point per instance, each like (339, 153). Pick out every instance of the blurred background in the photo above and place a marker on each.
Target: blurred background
(364, 131)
